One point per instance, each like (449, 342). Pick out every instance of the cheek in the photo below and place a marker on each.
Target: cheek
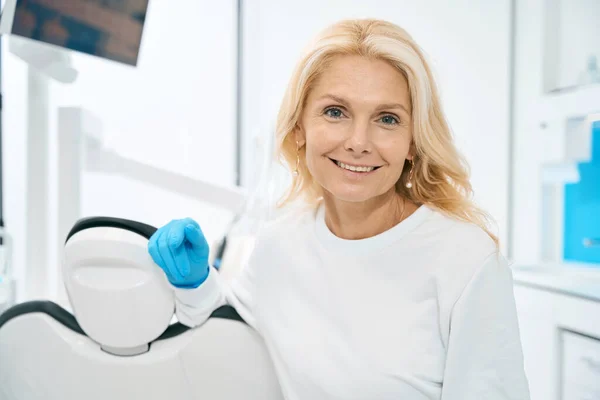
(315, 151)
(320, 142)
(395, 151)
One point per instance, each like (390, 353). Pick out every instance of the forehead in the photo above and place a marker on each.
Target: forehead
(362, 80)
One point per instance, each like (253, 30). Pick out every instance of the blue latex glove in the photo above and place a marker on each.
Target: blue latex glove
(181, 251)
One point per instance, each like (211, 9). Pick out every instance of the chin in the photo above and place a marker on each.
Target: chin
(351, 196)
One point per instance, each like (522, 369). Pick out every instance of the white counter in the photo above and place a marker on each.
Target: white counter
(578, 280)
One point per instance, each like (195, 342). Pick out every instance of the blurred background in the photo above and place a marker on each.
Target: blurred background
(152, 111)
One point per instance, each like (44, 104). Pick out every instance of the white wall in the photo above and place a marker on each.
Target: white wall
(468, 42)
(532, 110)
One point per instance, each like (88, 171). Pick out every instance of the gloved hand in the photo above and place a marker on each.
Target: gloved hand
(180, 249)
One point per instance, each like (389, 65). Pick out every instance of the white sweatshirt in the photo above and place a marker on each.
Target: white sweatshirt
(425, 310)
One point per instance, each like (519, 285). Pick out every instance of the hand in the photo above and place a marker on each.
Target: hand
(181, 251)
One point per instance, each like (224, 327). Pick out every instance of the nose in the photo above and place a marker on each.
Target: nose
(358, 140)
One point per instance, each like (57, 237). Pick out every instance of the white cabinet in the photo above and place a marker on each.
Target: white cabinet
(558, 333)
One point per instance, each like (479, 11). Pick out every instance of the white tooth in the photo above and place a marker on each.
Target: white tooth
(355, 169)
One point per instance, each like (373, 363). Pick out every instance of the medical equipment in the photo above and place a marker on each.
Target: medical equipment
(77, 130)
(7, 283)
(109, 30)
(51, 61)
(118, 343)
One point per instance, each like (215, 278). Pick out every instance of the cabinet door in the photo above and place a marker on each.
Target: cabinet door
(580, 377)
(582, 210)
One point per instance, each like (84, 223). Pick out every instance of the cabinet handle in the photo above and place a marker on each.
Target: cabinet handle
(592, 364)
(591, 242)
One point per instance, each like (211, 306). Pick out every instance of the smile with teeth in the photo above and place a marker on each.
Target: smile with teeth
(354, 168)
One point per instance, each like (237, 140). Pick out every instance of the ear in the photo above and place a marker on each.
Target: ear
(299, 135)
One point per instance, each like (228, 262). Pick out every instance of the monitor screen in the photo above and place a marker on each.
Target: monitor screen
(110, 29)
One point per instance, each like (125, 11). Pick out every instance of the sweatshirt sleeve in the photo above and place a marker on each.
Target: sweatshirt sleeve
(484, 355)
(194, 306)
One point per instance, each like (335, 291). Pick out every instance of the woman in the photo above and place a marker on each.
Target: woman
(388, 285)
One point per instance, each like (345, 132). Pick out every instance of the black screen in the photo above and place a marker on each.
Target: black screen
(110, 29)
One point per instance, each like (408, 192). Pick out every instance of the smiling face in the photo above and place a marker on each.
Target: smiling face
(357, 129)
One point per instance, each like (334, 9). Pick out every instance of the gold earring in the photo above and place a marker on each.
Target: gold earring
(297, 158)
(410, 175)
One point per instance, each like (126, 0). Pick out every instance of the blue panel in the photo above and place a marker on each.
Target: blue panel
(582, 209)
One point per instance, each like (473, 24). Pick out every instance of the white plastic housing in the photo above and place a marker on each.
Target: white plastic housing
(120, 297)
(221, 360)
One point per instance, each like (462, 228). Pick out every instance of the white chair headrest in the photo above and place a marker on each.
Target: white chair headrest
(120, 297)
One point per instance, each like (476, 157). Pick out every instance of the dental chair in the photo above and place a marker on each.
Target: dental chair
(119, 343)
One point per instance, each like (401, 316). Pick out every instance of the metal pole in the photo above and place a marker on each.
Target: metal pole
(1, 161)
(510, 251)
(72, 135)
(36, 226)
(239, 82)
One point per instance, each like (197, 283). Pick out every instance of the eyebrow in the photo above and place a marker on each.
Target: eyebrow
(345, 103)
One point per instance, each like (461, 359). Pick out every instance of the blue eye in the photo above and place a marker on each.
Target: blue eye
(389, 120)
(334, 112)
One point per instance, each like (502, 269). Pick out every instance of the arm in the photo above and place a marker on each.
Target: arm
(484, 356)
(181, 251)
(194, 306)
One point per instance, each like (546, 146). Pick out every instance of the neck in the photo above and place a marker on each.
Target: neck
(354, 221)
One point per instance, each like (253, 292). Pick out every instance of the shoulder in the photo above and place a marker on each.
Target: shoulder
(460, 249)
(466, 261)
(453, 239)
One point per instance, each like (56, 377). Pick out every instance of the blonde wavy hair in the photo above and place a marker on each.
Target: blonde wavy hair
(440, 174)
